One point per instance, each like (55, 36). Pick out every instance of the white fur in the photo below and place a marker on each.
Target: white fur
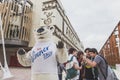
(25, 60)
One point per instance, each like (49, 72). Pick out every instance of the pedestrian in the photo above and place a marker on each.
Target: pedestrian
(73, 64)
(98, 62)
(60, 62)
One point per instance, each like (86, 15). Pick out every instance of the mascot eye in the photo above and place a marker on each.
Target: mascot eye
(40, 30)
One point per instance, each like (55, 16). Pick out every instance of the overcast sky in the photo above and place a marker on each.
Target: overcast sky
(93, 20)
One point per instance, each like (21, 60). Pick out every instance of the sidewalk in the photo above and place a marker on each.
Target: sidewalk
(21, 74)
(117, 73)
(117, 70)
(25, 74)
(18, 74)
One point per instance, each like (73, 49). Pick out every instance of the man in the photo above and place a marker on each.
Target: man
(98, 62)
(90, 73)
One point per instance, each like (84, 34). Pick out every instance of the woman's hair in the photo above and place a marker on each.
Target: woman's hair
(94, 50)
(80, 53)
(71, 50)
(87, 49)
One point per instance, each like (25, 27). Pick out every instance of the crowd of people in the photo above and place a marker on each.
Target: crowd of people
(88, 64)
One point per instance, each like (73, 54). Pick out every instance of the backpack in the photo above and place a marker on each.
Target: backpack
(72, 72)
(110, 73)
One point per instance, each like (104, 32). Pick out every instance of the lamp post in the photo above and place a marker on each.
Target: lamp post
(6, 71)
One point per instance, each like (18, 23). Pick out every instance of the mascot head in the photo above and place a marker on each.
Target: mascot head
(44, 33)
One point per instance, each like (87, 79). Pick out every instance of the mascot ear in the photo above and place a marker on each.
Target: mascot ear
(52, 28)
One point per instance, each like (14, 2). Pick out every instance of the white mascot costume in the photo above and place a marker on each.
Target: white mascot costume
(44, 55)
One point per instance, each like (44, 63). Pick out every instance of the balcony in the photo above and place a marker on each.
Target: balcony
(16, 17)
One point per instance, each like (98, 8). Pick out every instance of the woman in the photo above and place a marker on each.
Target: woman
(73, 63)
(80, 55)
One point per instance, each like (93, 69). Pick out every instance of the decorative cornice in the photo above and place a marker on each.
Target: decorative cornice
(48, 19)
(65, 38)
(49, 5)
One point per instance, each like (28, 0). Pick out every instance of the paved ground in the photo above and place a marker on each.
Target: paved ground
(117, 73)
(24, 74)
(19, 74)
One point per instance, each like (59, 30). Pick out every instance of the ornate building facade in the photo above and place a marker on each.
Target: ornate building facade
(111, 48)
(19, 19)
